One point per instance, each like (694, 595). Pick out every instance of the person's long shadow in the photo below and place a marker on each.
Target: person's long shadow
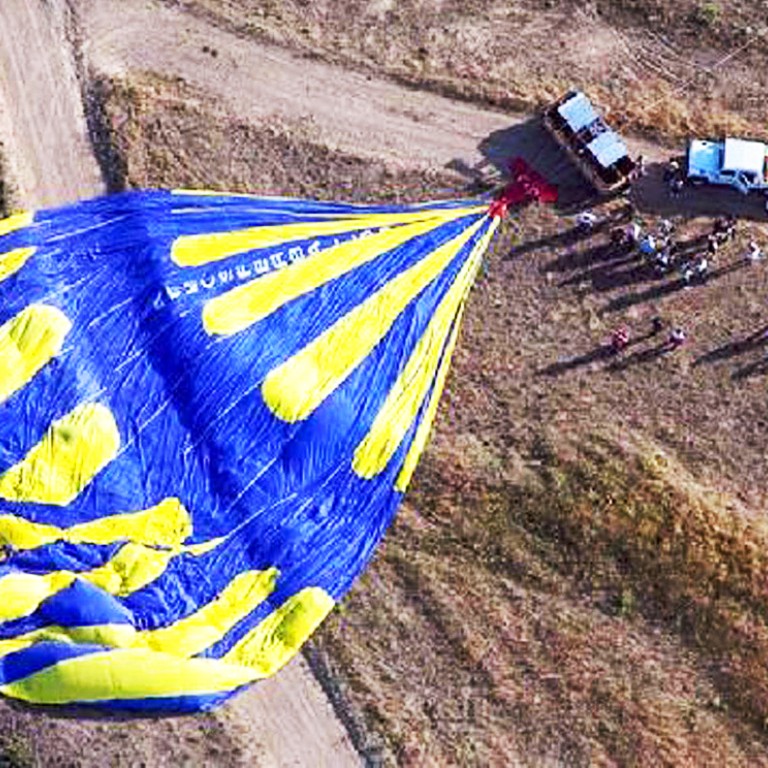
(735, 348)
(755, 368)
(571, 260)
(612, 279)
(597, 271)
(560, 239)
(658, 292)
(603, 352)
(641, 357)
(651, 294)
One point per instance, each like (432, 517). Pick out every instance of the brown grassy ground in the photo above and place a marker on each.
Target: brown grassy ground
(652, 63)
(166, 134)
(565, 585)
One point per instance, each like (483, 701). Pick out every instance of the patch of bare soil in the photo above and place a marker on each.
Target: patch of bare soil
(565, 585)
(165, 133)
(663, 67)
(41, 117)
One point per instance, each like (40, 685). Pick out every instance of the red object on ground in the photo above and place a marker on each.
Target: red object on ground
(620, 338)
(526, 186)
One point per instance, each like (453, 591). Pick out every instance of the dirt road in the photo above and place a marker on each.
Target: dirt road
(356, 113)
(41, 118)
(353, 112)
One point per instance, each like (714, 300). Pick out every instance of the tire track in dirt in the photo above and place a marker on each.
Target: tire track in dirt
(41, 116)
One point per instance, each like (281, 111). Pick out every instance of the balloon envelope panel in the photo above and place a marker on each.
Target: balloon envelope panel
(210, 407)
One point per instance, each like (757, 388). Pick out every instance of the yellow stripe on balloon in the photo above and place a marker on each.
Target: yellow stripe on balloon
(167, 524)
(12, 261)
(422, 431)
(207, 626)
(130, 673)
(111, 635)
(133, 567)
(22, 593)
(404, 400)
(245, 305)
(277, 639)
(28, 342)
(194, 250)
(15, 222)
(294, 389)
(16, 644)
(73, 451)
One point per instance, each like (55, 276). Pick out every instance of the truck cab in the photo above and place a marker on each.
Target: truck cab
(738, 163)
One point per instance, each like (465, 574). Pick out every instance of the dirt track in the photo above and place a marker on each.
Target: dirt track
(41, 117)
(353, 112)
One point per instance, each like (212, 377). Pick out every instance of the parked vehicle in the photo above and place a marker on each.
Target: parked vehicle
(594, 147)
(738, 163)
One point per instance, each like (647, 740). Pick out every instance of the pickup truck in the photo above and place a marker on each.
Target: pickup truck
(737, 163)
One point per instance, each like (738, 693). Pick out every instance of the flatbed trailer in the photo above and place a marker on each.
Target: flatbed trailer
(596, 149)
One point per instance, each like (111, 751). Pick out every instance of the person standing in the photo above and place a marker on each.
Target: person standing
(676, 186)
(754, 252)
(620, 339)
(677, 337)
(672, 171)
(586, 221)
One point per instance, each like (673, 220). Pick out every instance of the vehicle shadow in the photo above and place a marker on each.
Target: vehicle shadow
(651, 195)
(530, 141)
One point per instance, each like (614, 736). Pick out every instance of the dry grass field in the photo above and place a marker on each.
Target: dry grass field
(657, 65)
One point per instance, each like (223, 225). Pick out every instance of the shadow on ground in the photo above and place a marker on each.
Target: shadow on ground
(530, 141)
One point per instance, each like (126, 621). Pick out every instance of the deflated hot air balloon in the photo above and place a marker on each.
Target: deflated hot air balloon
(210, 407)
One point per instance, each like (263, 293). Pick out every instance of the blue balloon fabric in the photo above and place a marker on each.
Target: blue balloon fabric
(210, 407)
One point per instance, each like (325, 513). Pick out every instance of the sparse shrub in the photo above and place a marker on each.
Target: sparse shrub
(707, 14)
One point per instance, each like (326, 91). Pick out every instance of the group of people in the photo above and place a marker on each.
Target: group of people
(660, 249)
